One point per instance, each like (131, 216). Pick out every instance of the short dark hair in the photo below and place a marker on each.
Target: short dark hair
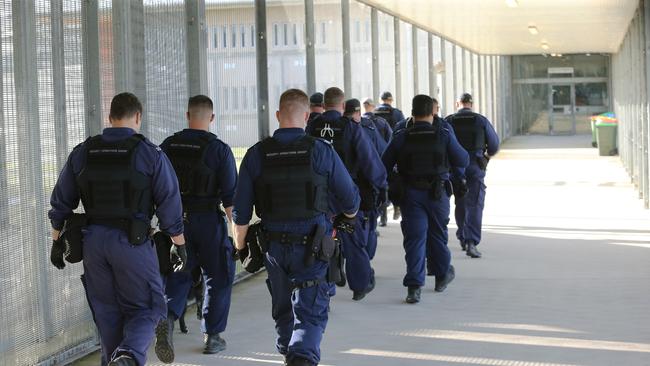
(200, 101)
(465, 98)
(435, 101)
(422, 106)
(124, 105)
(333, 97)
(293, 97)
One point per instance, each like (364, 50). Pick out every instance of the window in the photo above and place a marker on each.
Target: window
(252, 36)
(285, 34)
(295, 34)
(234, 36)
(225, 99)
(235, 98)
(323, 32)
(244, 98)
(276, 37)
(357, 31)
(243, 36)
(224, 39)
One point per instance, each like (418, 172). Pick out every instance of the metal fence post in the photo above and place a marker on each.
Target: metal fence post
(32, 195)
(646, 105)
(433, 79)
(374, 32)
(398, 63)
(91, 70)
(197, 47)
(4, 202)
(416, 74)
(58, 82)
(443, 78)
(262, 70)
(347, 61)
(310, 49)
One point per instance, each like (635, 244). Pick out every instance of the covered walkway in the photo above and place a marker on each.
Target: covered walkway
(564, 280)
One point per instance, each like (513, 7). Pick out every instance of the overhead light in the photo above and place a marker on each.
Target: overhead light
(533, 30)
(553, 54)
(545, 46)
(512, 3)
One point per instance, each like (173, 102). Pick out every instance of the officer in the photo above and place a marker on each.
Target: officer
(120, 177)
(387, 112)
(387, 134)
(364, 165)
(207, 176)
(424, 155)
(477, 136)
(353, 112)
(290, 217)
(316, 107)
(406, 123)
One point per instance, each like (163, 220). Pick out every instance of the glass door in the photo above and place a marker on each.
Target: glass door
(562, 119)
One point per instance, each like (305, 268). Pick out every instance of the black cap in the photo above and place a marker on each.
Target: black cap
(316, 98)
(465, 98)
(352, 105)
(386, 95)
(422, 106)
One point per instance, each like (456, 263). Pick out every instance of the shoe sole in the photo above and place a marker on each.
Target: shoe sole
(473, 255)
(213, 351)
(164, 350)
(412, 301)
(443, 288)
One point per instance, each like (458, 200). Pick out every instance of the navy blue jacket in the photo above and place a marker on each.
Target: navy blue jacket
(374, 135)
(219, 158)
(150, 161)
(344, 195)
(382, 126)
(368, 161)
(490, 134)
(458, 157)
(397, 114)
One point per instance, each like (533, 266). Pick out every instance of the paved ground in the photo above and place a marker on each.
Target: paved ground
(565, 280)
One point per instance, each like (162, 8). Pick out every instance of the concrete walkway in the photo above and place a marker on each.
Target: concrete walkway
(565, 280)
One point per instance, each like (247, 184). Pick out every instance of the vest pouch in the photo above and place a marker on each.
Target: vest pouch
(335, 270)
(482, 162)
(437, 188)
(73, 237)
(138, 231)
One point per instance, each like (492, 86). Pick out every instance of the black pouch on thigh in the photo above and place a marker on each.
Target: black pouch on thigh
(335, 270)
(138, 231)
(73, 237)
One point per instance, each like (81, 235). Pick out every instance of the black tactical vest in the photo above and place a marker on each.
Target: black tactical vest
(469, 133)
(386, 112)
(289, 188)
(334, 132)
(423, 157)
(187, 155)
(111, 188)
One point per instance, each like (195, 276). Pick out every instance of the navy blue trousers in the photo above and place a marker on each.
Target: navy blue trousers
(371, 247)
(300, 314)
(424, 220)
(209, 247)
(124, 290)
(469, 209)
(356, 253)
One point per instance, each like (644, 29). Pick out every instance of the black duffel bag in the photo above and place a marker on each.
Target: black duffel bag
(72, 237)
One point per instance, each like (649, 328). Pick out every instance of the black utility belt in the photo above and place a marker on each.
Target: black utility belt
(122, 224)
(136, 230)
(287, 238)
(202, 207)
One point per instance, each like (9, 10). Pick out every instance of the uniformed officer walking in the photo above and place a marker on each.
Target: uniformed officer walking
(365, 167)
(381, 124)
(477, 136)
(207, 176)
(120, 177)
(315, 106)
(353, 112)
(386, 110)
(424, 155)
(273, 177)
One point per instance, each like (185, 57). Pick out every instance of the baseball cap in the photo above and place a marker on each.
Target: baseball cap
(316, 98)
(352, 105)
(386, 95)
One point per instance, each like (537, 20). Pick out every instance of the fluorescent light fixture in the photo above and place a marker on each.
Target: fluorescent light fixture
(512, 3)
(533, 30)
(553, 54)
(545, 46)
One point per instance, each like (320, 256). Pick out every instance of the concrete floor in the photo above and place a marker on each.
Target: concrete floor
(565, 280)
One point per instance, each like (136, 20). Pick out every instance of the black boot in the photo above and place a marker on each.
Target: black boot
(214, 344)
(297, 361)
(443, 281)
(123, 360)
(343, 280)
(396, 213)
(463, 245)
(164, 340)
(472, 251)
(358, 295)
(413, 295)
(383, 220)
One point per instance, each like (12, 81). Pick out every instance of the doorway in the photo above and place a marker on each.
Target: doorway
(561, 114)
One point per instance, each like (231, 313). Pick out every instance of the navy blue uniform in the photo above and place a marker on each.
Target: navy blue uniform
(122, 280)
(390, 114)
(367, 162)
(206, 235)
(300, 315)
(425, 219)
(469, 209)
(312, 116)
(382, 126)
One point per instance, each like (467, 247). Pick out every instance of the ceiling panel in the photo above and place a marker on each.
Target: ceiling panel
(492, 27)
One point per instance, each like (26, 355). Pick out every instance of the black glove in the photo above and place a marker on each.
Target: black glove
(57, 252)
(178, 257)
(235, 252)
(344, 223)
(460, 187)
